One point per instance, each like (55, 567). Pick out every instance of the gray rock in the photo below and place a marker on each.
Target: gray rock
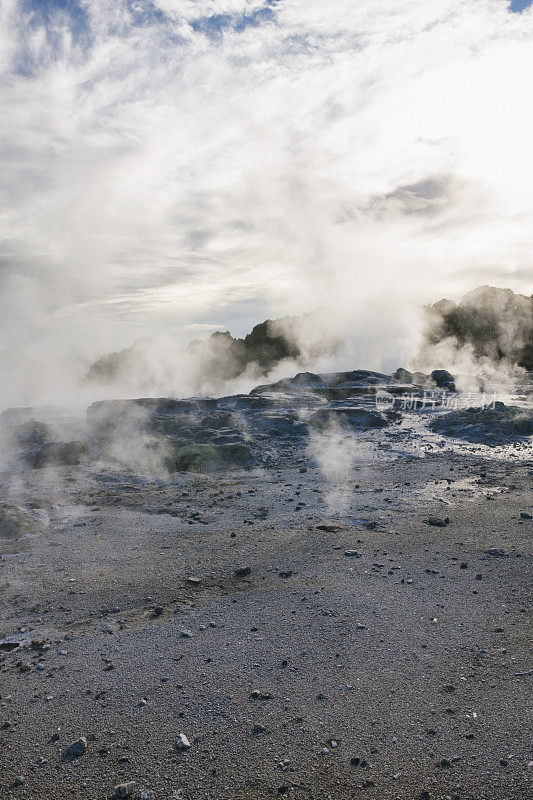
(57, 454)
(77, 748)
(443, 379)
(439, 522)
(125, 789)
(258, 729)
(490, 426)
(242, 572)
(355, 417)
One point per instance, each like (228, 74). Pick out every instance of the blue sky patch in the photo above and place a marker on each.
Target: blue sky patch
(520, 5)
(216, 25)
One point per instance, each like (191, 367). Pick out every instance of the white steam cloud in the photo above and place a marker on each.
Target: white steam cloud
(174, 164)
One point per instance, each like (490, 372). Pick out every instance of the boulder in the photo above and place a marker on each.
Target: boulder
(57, 454)
(443, 379)
(485, 425)
(350, 418)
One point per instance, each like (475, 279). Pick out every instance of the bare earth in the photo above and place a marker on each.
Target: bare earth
(381, 657)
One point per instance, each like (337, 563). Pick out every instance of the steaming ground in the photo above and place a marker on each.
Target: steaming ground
(298, 618)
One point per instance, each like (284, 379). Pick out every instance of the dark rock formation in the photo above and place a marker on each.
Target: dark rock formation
(485, 425)
(350, 417)
(219, 358)
(332, 386)
(497, 323)
(443, 379)
(57, 454)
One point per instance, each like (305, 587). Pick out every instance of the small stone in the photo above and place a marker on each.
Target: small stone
(192, 580)
(19, 781)
(242, 572)
(439, 522)
(525, 515)
(258, 729)
(352, 554)
(182, 743)
(77, 748)
(125, 789)
(463, 565)
(147, 795)
(186, 634)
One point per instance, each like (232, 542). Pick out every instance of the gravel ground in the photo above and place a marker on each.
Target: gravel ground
(309, 632)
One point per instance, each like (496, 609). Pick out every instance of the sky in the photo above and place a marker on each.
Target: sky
(178, 166)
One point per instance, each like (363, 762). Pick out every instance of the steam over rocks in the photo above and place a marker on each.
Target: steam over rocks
(495, 323)
(58, 454)
(273, 424)
(219, 359)
(489, 326)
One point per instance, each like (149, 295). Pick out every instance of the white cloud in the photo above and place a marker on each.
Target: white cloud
(162, 170)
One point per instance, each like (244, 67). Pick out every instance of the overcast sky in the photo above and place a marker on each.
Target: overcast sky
(178, 165)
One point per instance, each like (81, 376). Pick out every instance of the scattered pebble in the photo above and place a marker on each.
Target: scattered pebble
(77, 748)
(182, 743)
(242, 572)
(439, 522)
(125, 789)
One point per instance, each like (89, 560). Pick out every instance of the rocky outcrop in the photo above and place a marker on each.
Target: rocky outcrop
(57, 454)
(354, 418)
(334, 385)
(485, 425)
(219, 358)
(272, 424)
(496, 323)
